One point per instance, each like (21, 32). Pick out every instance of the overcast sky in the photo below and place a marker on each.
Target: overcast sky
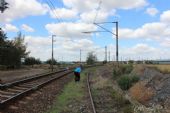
(144, 27)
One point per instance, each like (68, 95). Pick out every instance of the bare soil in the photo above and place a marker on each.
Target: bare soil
(39, 101)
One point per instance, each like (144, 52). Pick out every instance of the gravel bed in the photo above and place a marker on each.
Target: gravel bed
(9, 76)
(39, 101)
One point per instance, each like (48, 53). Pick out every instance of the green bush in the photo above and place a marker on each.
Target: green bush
(126, 69)
(117, 72)
(122, 69)
(134, 79)
(125, 82)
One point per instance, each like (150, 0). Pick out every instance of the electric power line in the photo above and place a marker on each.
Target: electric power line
(100, 2)
(52, 7)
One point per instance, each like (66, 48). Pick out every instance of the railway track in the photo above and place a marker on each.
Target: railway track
(90, 94)
(100, 104)
(10, 92)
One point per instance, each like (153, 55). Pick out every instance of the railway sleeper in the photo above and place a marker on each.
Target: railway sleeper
(7, 93)
(14, 90)
(20, 88)
(5, 96)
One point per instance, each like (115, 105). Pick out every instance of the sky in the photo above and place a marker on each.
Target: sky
(144, 28)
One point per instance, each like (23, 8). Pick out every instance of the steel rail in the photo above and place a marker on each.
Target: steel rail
(29, 90)
(90, 94)
(4, 86)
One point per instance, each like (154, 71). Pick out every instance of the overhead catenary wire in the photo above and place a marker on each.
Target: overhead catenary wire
(52, 7)
(97, 11)
(55, 10)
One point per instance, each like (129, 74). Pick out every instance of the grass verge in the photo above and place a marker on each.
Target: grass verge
(73, 93)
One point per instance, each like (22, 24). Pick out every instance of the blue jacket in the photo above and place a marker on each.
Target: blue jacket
(78, 69)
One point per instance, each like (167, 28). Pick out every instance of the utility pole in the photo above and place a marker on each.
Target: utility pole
(106, 53)
(106, 30)
(80, 56)
(109, 56)
(52, 53)
(117, 46)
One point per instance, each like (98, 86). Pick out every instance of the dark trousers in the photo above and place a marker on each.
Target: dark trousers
(77, 76)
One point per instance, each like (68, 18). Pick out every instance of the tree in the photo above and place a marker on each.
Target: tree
(3, 5)
(3, 37)
(49, 61)
(18, 42)
(31, 61)
(11, 51)
(91, 58)
(130, 61)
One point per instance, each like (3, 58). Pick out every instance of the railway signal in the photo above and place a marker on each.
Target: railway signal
(3, 5)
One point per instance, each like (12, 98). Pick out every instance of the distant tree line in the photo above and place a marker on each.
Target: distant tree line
(11, 51)
(31, 61)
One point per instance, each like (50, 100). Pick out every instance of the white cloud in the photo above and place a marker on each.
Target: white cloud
(165, 17)
(27, 28)
(156, 30)
(70, 29)
(22, 8)
(89, 17)
(149, 30)
(88, 5)
(152, 11)
(10, 28)
(83, 44)
(63, 13)
(166, 42)
(143, 51)
(40, 47)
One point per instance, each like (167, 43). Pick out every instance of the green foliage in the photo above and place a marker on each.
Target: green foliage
(91, 58)
(126, 69)
(130, 62)
(11, 51)
(122, 69)
(149, 62)
(72, 92)
(134, 79)
(126, 81)
(117, 72)
(49, 61)
(3, 37)
(31, 61)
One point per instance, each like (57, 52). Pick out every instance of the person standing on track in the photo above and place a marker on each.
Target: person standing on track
(77, 72)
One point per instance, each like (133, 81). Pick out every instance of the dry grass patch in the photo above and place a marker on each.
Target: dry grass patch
(141, 93)
(139, 69)
(101, 82)
(163, 68)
